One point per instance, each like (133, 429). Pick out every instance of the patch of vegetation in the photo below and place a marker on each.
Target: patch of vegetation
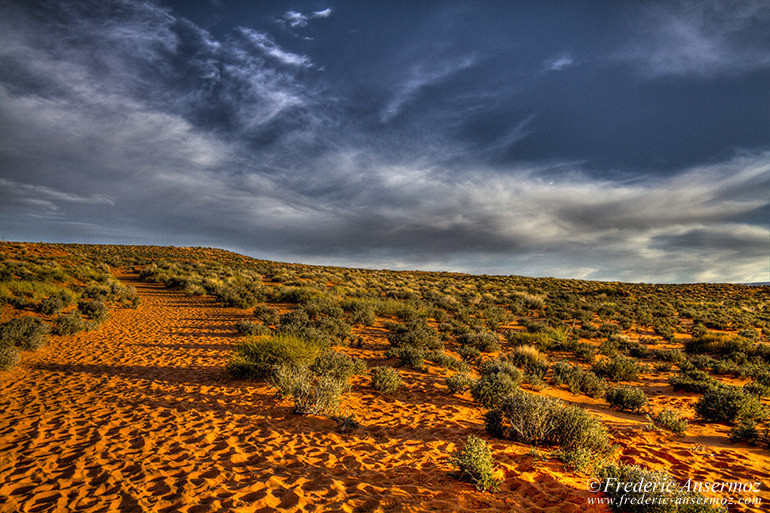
(729, 404)
(474, 463)
(258, 357)
(385, 380)
(26, 333)
(618, 368)
(578, 380)
(459, 383)
(626, 398)
(538, 420)
(669, 420)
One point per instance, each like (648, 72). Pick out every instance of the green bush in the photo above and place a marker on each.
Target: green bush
(459, 383)
(385, 380)
(258, 357)
(267, 315)
(415, 333)
(26, 333)
(490, 388)
(578, 379)
(51, 305)
(484, 341)
(446, 361)
(626, 398)
(474, 463)
(337, 366)
(618, 368)
(312, 394)
(630, 486)
(529, 359)
(669, 420)
(412, 357)
(729, 404)
(748, 432)
(69, 324)
(95, 309)
(468, 353)
(498, 365)
(693, 381)
(9, 357)
(540, 420)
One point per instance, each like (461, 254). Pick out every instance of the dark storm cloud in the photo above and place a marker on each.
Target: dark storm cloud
(476, 137)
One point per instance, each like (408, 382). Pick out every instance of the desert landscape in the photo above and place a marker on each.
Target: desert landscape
(196, 379)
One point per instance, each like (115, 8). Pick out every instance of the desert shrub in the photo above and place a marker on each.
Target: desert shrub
(268, 316)
(26, 333)
(662, 367)
(258, 357)
(664, 331)
(293, 294)
(69, 324)
(717, 343)
(757, 389)
(578, 380)
(484, 341)
(415, 333)
(632, 489)
(669, 420)
(338, 366)
(446, 361)
(51, 305)
(626, 398)
(728, 404)
(585, 352)
(9, 357)
(361, 311)
(468, 353)
(499, 365)
(693, 381)
(619, 368)
(580, 459)
(748, 432)
(385, 380)
(539, 420)
(313, 395)
(535, 382)
(529, 359)
(412, 357)
(250, 328)
(459, 383)
(95, 309)
(490, 388)
(474, 463)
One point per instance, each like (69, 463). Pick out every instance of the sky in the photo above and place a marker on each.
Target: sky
(625, 141)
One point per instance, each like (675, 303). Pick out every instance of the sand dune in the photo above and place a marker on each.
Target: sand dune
(136, 417)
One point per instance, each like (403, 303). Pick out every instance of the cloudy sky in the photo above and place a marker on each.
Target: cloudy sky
(600, 140)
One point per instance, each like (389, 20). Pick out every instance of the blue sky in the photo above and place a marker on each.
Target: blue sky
(602, 140)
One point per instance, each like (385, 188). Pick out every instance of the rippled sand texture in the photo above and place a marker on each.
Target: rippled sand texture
(135, 417)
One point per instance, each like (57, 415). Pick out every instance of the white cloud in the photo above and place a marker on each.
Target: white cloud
(297, 19)
(559, 63)
(703, 38)
(420, 76)
(266, 44)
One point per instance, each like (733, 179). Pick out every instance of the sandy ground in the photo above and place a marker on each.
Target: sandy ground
(136, 417)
